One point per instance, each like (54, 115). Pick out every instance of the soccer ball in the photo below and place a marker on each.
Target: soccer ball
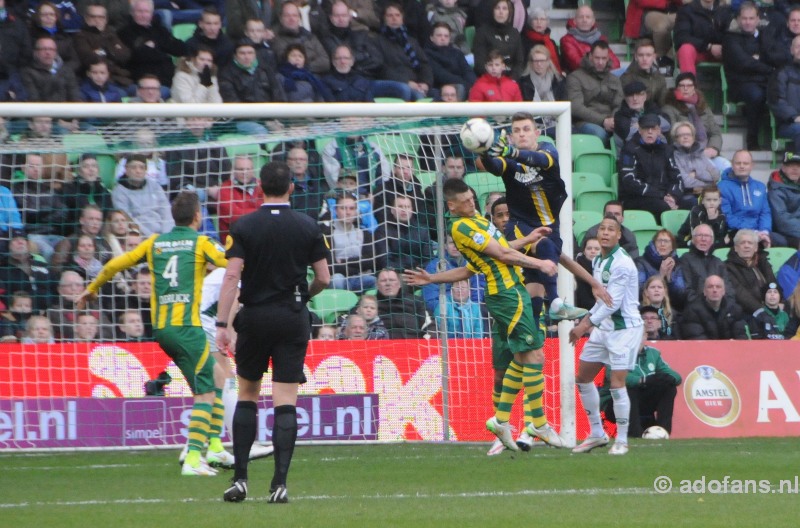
(477, 135)
(655, 432)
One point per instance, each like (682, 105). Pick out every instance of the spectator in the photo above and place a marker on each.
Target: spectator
(116, 11)
(195, 78)
(789, 273)
(299, 84)
(354, 328)
(402, 312)
(352, 248)
(635, 104)
(368, 309)
(239, 12)
(649, 178)
(14, 320)
(537, 32)
(347, 185)
(84, 258)
(793, 304)
(744, 199)
(401, 181)
(344, 83)
(494, 86)
(770, 321)
(367, 56)
(628, 240)
(404, 61)
(402, 241)
(308, 188)
(10, 219)
(651, 386)
(90, 224)
(142, 199)
(130, 327)
(784, 95)
(144, 141)
(713, 316)
(97, 40)
(447, 61)
(149, 90)
(46, 22)
(38, 331)
(541, 81)
(452, 167)
(784, 202)
(15, 41)
(200, 166)
(661, 259)
(258, 34)
(687, 103)
(449, 13)
(244, 81)
(239, 195)
(655, 296)
(699, 263)
(706, 212)
(289, 31)
(746, 70)
(697, 171)
(499, 34)
(656, 18)
(644, 68)
(48, 79)
(152, 45)
(42, 210)
(595, 93)
(98, 88)
(583, 292)
(209, 35)
(451, 258)
(116, 227)
(779, 38)
(461, 317)
(139, 299)
(87, 328)
(356, 155)
(749, 270)
(20, 270)
(325, 333)
(582, 34)
(63, 314)
(699, 30)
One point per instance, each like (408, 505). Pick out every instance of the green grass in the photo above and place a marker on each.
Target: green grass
(413, 485)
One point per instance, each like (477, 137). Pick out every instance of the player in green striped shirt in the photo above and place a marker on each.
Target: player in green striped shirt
(515, 331)
(177, 262)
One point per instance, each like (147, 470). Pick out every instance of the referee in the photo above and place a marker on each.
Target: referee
(270, 251)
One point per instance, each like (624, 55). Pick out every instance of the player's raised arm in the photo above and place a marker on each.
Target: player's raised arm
(420, 277)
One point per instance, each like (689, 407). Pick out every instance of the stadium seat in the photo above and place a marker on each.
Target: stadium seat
(329, 304)
(426, 179)
(722, 253)
(183, 31)
(776, 144)
(589, 155)
(673, 220)
(484, 182)
(80, 143)
(389, 100)
(546, 139)
(107, 165)
(778, 257)
(582, 221)
(644, 236)
(590, 192)
(469, 35)
(681, 251)
(639, 219)
(391, 144)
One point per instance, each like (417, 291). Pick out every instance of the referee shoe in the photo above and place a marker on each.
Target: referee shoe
(237, 492)
(278, 495)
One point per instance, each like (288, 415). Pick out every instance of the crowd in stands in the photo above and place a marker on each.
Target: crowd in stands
(58, 226)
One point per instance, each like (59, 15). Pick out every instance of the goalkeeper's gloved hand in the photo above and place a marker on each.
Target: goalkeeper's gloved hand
(502, 149)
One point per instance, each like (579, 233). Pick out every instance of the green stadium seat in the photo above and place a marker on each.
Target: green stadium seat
(329, 304)
(469, 35)
(426, 178)
(582, 221)
(682, 251)
(389, 100)
(392, 144)
(674, 219)
(722, 253)
(80, 143)
(590, 192)
(644, 236)
(778, 257)
(107, 165)
(484, 182)
(590, 155)
(183, 31)
(637, 219)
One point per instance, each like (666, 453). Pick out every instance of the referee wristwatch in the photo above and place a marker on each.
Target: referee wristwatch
(221, 324)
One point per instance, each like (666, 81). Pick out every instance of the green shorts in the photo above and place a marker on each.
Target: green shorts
(514, 328)
(188, 348)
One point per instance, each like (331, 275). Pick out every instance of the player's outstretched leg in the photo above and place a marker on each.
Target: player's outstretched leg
(498, 424)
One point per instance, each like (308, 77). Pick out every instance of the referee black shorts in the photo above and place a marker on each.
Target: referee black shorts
(278, 331)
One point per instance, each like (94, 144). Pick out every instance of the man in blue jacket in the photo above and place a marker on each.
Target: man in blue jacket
(744, 199)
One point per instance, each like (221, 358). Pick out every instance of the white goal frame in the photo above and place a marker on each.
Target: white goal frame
(561, 111)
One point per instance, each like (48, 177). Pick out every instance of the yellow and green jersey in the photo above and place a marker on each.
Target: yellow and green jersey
(471, 236)
(177, 262)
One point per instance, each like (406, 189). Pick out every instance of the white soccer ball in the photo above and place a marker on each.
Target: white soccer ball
(655, 432)
(477, 135)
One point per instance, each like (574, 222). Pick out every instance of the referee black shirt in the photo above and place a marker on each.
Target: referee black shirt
(277, 245)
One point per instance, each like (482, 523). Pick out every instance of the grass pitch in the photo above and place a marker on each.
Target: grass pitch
(415, 485)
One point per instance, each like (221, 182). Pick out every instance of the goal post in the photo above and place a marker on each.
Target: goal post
(394, 128)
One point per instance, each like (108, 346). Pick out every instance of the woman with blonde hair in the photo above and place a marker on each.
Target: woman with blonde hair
(654, 293)
(697, 170)
(541, 81)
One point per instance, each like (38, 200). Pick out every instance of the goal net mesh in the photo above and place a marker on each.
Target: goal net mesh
(72, 379)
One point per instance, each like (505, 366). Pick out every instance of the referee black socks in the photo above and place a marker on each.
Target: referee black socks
(244, 434)
(284, 436)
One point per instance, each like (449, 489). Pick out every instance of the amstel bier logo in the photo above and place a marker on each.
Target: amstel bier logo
(712, 397)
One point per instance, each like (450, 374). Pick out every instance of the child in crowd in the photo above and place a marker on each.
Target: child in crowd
(706, 212)
(494, 86)
(368, 309)
(325, 333)
(583, 292)
(38, 330)
(14, 321)
(87, 328)
(770, 321)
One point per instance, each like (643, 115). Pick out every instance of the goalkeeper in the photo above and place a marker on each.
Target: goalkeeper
(177, 262)
(515, 330)
(535, 193)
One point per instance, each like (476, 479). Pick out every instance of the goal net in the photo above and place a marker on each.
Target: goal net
(94, 182)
